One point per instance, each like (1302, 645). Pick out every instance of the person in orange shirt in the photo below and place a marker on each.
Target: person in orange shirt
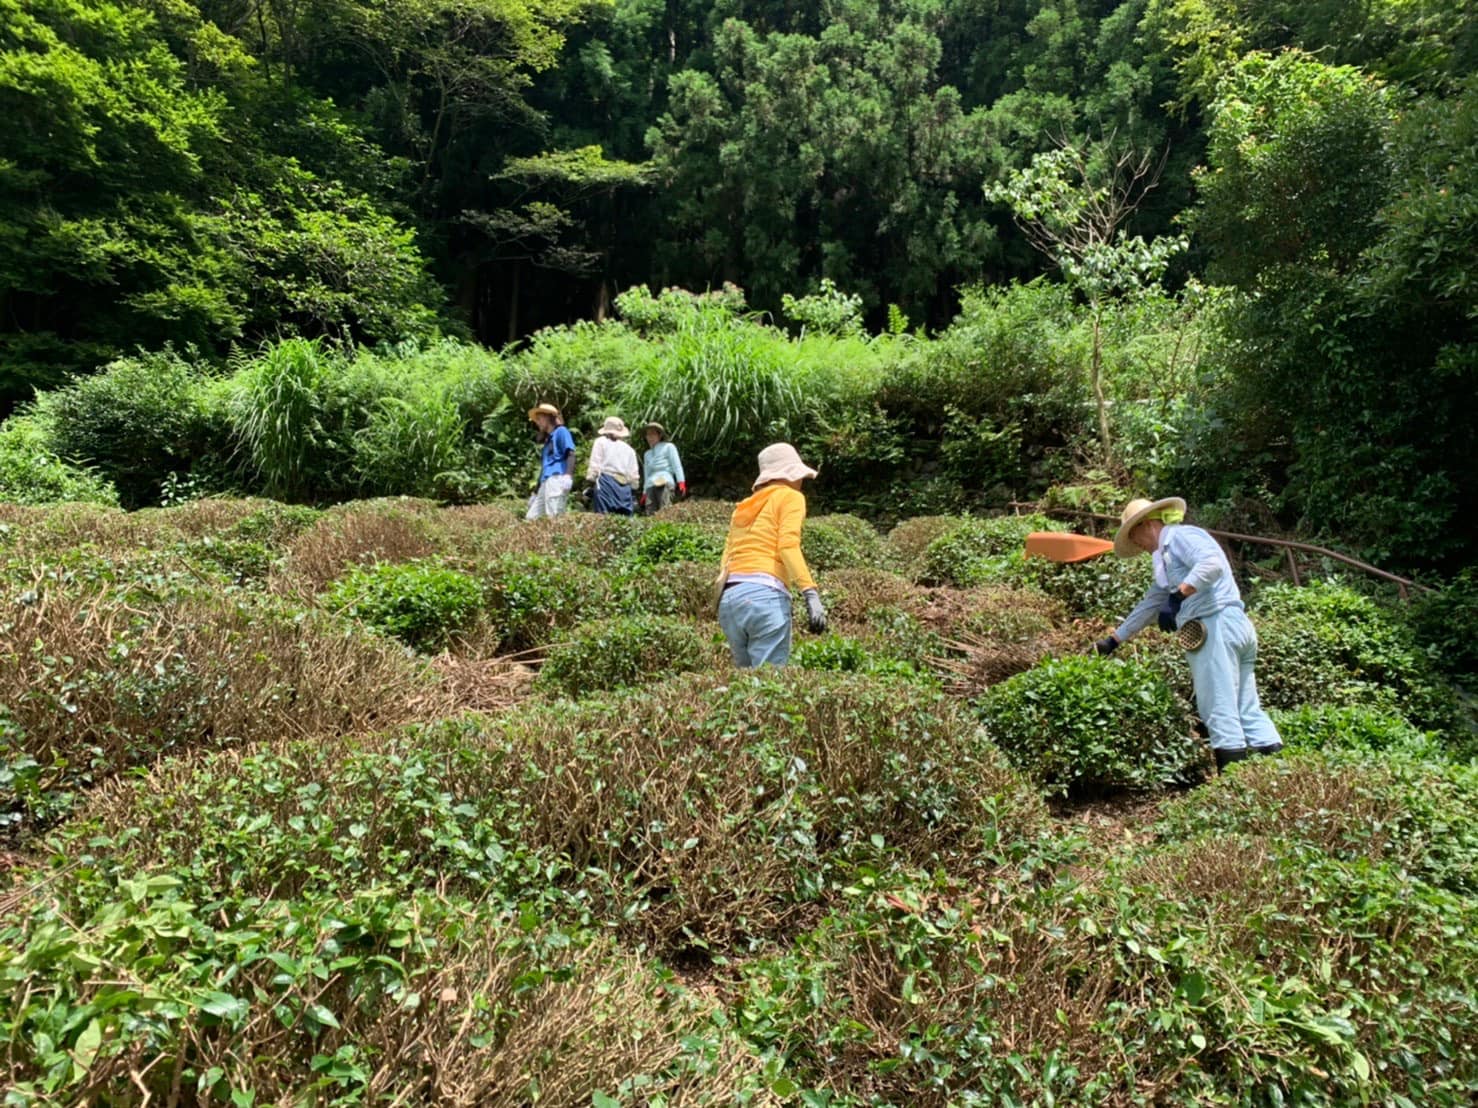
(762, 559)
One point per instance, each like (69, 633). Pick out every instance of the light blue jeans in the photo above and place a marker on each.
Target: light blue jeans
(756, 621)
(1226, 691)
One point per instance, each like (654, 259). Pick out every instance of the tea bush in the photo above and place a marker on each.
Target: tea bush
(838, 654)
(627, 651)
(842, 542)
(531, 597)
(357, 999)
(976, 551)
(1355, 727)
(1080, 724)
(708, 812)
(1327, 644)
(1419, 815)
(1104, 588)
(665, 589)
(663, 542)
(422, 604)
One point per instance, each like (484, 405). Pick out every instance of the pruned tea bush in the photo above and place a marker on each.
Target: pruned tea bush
(1327, 644)
(709, 812)
(97, 680)
(978, 551)
(531, 597)
(364, 999)
(666, 589)
(1420, 815)
(422, 604)
(618, 653)
(1076, 724)
(842, 542)
(358, 535)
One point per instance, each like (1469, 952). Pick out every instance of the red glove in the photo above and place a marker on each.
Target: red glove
(642, 503)
(682, 488)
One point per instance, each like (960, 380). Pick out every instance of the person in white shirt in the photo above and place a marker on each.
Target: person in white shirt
(612, 474)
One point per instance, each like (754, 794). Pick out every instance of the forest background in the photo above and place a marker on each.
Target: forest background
(921, 238)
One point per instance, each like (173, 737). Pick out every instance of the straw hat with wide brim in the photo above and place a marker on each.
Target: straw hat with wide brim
(615, 425)
(782, 462)
(1134, 514)
(543, 409)
(661, 431)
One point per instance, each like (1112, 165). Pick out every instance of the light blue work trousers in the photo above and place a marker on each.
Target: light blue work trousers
(756, 621)
(1226, 691)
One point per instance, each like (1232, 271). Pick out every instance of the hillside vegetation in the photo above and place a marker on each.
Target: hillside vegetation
(295, 825)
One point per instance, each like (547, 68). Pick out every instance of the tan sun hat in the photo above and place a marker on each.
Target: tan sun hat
(615, 425)
(654, 426)
(782, 462)
(543, 409)
(1135, 513)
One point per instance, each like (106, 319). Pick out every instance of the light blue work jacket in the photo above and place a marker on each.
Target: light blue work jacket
(1186, 556)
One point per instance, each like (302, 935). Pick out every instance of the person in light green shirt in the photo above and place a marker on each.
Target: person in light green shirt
(662, 471)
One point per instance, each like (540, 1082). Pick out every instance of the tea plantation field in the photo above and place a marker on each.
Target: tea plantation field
(399, 804)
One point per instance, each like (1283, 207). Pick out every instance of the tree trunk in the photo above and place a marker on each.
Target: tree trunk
(1096, 376)
(513, 304)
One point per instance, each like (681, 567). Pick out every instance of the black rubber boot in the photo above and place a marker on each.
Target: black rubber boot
(1264, 751)
(1225, 758)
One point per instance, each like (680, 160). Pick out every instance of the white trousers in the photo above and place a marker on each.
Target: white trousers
(552, 498)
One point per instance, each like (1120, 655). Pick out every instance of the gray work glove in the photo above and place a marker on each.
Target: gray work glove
(815, 613)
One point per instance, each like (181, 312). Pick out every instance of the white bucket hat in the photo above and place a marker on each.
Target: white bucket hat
(782, 462)
(1135, 513)
(615, 425)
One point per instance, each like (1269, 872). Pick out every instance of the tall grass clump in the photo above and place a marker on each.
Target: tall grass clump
(285, 413)
(723, 386)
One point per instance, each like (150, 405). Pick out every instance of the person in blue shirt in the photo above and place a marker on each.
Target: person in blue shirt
(663, 470)
(556, 463)
(1193, 581)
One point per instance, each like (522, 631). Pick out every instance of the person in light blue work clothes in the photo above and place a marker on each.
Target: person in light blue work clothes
(1193, 581)
(663, 470)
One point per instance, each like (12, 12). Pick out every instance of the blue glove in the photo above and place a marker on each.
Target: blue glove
(1170, 609)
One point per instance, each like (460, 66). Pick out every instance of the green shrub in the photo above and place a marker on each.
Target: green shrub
(666, 589)
(979, 551)
(137, 422)
(274, 525)
(1444, 624)
(30, 473)
(1354, 727)
(531, 597)
(1327, 644)
(1077, 724)
(842, 542)
(420, 603)
(1105, 588)
(622, 652)
(241, 561)
(662, 543)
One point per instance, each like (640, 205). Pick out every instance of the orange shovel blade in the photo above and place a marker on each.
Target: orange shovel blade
(1062, 546)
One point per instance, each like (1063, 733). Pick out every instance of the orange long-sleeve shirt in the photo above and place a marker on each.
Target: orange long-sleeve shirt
(765, 536)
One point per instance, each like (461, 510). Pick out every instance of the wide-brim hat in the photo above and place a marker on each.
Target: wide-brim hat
(662, 431)
(615, 425)
(543, 409)
(1135, 513)
(782, 462)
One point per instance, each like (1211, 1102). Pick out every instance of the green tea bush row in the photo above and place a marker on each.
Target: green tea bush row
(606, 655)
(421, 604)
